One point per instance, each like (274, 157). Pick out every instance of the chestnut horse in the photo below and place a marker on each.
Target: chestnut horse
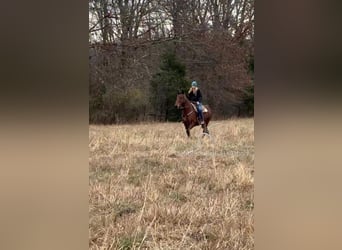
(189, 114)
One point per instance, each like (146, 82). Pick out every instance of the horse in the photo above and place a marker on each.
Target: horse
(189, 114)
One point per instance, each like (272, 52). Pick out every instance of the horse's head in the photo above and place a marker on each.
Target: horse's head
(181, 100)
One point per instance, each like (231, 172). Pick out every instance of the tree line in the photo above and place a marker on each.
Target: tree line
(142, 51)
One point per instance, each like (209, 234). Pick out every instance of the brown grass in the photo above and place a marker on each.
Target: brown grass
(153, 188)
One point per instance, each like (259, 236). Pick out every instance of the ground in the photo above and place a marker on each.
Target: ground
(151, 187)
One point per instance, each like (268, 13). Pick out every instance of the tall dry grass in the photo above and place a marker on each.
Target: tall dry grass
(153, 188)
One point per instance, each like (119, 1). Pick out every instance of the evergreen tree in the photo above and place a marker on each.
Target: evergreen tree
(165, 85)
(249, 100)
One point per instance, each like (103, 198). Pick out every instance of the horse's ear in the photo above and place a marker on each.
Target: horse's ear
(182, 91)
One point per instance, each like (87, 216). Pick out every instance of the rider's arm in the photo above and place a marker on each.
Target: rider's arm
(199, 95)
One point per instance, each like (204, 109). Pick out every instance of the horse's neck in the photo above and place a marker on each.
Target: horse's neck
(187, 107)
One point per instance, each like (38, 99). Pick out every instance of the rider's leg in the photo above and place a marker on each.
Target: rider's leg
(200, 112)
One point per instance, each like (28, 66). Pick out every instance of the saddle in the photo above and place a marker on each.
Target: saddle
(205, 110)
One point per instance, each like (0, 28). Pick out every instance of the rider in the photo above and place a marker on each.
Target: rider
(195, 96)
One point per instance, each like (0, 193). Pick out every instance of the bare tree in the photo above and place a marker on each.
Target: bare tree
(213, 38)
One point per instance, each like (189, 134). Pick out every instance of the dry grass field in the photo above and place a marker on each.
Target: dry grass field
(150, 187)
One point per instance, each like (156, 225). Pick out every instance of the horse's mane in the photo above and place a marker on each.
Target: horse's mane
(184, 94)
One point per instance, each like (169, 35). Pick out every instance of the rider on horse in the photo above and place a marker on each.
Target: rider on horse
(195, 96)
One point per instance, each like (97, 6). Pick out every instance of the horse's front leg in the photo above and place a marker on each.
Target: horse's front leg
(187, 129)
(188, 132)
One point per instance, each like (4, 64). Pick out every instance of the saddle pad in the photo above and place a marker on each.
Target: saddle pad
(204, 108)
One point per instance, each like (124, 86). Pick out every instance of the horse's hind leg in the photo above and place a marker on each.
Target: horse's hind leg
(205, 129)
